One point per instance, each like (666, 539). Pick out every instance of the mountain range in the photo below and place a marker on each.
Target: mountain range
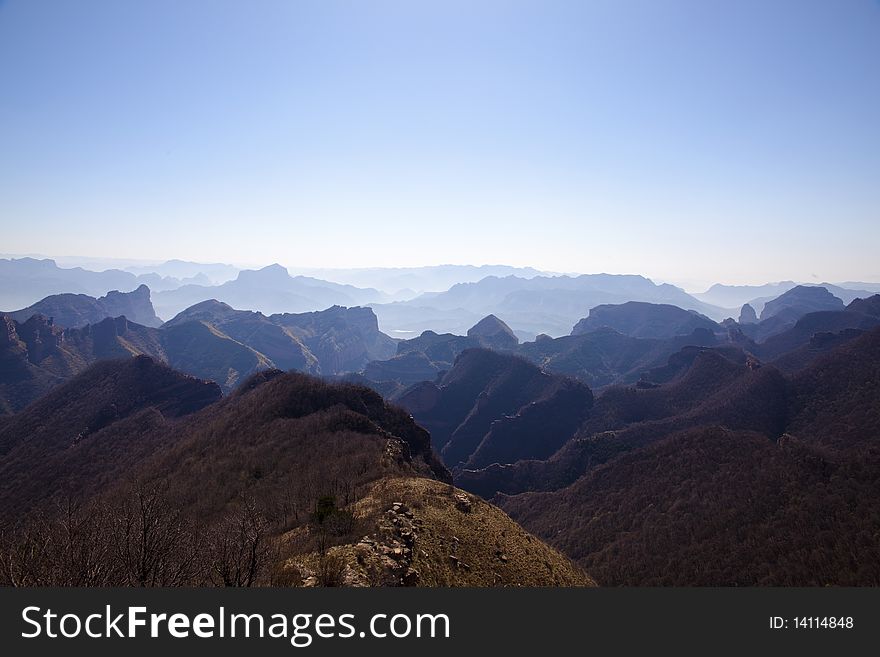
(408, 301)
(542, 304)
(650, 442)
(77, 310)
(210, 340)
(759, 479)
(412, 281)
(643, 320)
(290, 481)
(620, 344)
(269, 290)
(214, 273)
(493, 407)
(24, 281)
(733, 296)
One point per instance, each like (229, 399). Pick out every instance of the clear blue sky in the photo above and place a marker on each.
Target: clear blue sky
(716, 140)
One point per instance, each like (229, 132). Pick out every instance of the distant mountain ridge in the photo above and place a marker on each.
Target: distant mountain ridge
(283, 349)
(416, 280)
(39, 355)
(211, 273)
(270, 290)
(24, 281)
(342, 339)
(422, 358)
(531, 306)
(604, 355)
(802, 300)
(860, 315)
(735, 296)
(644, 320)
(210, 340)
(598, 357)
(77, 310)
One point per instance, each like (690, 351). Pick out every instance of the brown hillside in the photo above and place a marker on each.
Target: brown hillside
(426, 533)
(288, 470)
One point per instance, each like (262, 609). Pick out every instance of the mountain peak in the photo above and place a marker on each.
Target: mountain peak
(141, 294)
(747, 315)
(801, 300)
(495, 332)
(869, 306)
(77, 310)
(489, 325)
(273, 273)
(209, 311)
(641, 319)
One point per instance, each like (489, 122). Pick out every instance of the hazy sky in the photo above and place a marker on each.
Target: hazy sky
(733, 141)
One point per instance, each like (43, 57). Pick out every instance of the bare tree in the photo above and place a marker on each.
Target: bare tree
(65, 548)
(151, 542)
(239, 548)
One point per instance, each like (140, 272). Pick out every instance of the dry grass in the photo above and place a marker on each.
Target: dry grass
(460, 540)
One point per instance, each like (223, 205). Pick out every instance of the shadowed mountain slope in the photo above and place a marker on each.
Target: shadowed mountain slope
(713, 389)
(861, 314)
(210, 340)
(766, 481)
(288, 481)
(710, 507)
(784, 311)
(605, 356)
(277, 343)
(91, 429)
(40, 355)
(342, 339)
(489, 405)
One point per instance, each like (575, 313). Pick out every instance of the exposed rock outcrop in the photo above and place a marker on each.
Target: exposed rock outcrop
(747, 315)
